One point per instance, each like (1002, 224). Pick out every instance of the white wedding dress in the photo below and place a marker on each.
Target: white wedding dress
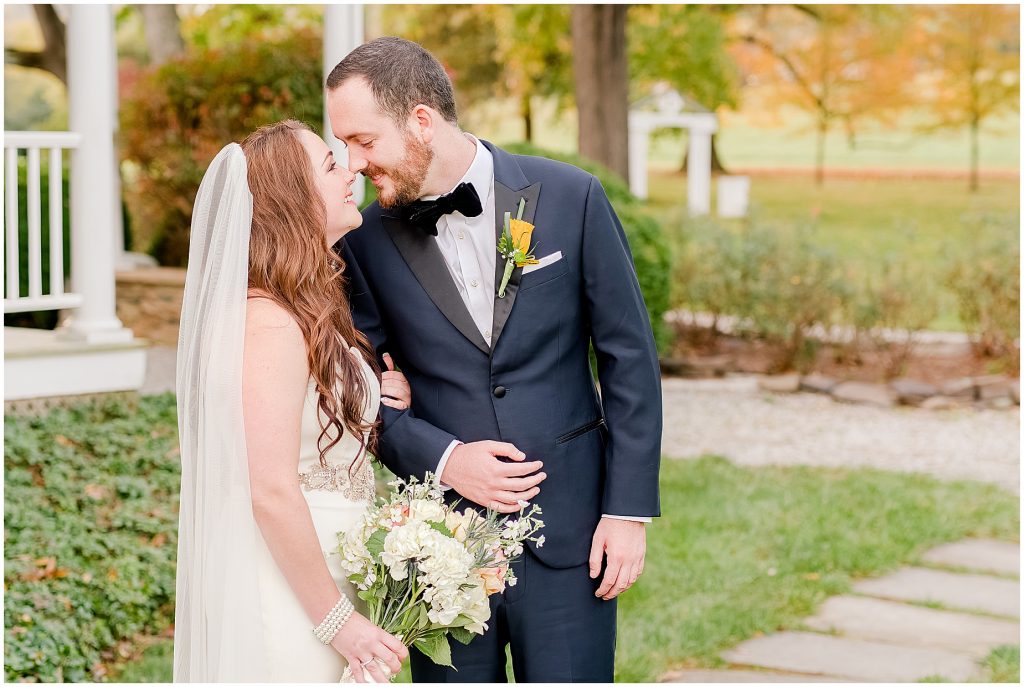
(236, 617)
(336, 502)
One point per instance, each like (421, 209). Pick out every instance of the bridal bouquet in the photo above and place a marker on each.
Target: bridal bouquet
(425, 569)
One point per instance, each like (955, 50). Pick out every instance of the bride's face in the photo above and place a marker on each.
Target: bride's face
(335, 184)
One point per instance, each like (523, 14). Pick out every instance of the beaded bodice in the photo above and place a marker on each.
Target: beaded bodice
(357, 486)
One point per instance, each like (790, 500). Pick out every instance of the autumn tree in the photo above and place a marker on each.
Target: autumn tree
(841, 63)
(520, 52)
(971, 54)
(685, 47)
(53, 55)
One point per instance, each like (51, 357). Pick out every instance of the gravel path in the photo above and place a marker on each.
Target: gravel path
(732, 418)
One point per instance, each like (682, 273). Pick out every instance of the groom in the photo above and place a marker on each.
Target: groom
(504, 402)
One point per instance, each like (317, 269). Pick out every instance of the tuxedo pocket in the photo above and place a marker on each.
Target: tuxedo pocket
(543, 262)
(550, 267)
(580, 431)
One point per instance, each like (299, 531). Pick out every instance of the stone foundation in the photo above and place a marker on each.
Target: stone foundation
(149, 302)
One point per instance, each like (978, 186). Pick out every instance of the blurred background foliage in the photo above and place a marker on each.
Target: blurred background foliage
(905, 118)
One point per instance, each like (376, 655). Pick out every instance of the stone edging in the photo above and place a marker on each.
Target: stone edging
(990, 391)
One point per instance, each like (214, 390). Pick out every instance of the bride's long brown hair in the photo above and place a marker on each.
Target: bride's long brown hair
(291, 263)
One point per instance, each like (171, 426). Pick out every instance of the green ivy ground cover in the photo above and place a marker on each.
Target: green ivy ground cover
(90, 513)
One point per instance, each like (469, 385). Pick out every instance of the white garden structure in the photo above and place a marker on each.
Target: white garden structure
(91, 352)
(669, 112)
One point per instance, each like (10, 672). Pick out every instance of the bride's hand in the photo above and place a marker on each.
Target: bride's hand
(394, 387)
(359, 641)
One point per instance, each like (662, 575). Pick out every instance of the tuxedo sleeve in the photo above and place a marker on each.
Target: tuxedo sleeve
(407, 445)
(627, 363)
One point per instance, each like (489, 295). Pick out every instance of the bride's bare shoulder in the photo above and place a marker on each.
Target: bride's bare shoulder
(262, 313)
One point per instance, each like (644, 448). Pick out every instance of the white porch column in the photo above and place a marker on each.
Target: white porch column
(343, 33)
(639, 143)
(698, 166)
(90, 44)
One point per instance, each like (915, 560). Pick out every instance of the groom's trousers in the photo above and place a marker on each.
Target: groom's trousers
(558, 632)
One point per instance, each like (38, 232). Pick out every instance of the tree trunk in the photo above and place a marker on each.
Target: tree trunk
(716, 164)
(819, 162)
(53, 57)
(601, 76)
(526, 112)
(975, 130)
(163, 32)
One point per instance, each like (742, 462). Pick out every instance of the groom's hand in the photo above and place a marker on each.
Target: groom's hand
(624, 542)
(475, 471)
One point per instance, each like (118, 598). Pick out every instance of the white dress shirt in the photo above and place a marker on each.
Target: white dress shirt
(470, 252)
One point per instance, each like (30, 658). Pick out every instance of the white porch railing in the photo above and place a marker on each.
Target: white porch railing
(34, 143)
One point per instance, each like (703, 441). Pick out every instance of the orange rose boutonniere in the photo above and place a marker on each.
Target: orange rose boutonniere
(514, 245)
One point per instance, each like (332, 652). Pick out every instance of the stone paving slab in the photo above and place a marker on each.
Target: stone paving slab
(989, 555)
(899, 623)
(715, 676)
(859, 660)
(961, 591)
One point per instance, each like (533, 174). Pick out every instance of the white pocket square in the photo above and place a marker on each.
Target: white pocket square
(543, 262)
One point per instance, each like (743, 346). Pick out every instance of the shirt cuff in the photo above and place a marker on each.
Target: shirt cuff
(631, 518)
(444, 461)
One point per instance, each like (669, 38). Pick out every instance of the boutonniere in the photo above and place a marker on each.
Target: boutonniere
(514, 245)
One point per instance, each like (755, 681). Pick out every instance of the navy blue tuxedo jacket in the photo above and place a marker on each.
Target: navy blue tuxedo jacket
(533, 386)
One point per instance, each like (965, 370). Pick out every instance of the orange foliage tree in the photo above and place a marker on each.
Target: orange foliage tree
(970, 55)
(841, 63)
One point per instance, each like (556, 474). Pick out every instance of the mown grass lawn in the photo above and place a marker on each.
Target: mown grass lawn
(740, 551)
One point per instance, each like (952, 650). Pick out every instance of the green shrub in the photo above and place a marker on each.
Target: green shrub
(902, 298)
(90, 517)
(985, 278)
(176, 117)
(780, 285)
(652, 255)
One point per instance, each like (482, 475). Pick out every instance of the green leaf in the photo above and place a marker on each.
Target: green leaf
(423, 620)
(375, 544)
(436, 648)
(442, 528)
(462, 635)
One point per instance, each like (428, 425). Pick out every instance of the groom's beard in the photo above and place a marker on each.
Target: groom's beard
(407, 177)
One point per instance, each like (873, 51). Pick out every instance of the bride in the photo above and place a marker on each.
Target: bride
(277, 399)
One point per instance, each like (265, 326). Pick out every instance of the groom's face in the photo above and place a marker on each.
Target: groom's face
(392, 155)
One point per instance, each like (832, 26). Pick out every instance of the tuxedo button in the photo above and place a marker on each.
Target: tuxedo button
(499, 392)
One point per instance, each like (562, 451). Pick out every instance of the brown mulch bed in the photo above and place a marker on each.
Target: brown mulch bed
(696, 353)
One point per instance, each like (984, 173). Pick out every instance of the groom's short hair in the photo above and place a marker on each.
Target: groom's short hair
(401, 75)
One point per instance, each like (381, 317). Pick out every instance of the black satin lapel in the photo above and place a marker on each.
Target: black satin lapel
(424, 258)
(507, 200)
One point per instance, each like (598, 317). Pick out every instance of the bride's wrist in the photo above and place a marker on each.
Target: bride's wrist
(334, 620)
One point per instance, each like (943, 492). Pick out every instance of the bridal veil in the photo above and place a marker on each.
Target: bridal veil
(218, 631)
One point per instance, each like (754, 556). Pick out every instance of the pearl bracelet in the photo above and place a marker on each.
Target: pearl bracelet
(338, 616)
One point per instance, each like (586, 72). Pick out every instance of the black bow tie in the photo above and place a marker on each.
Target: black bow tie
(425, 213)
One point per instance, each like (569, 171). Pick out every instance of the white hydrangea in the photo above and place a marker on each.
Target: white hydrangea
(446, 563)
(402, 544)
(427, 509)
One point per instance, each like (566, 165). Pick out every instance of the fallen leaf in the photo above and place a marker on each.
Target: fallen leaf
(97, 492)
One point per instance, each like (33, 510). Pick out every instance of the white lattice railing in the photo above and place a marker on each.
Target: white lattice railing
(33, 143)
